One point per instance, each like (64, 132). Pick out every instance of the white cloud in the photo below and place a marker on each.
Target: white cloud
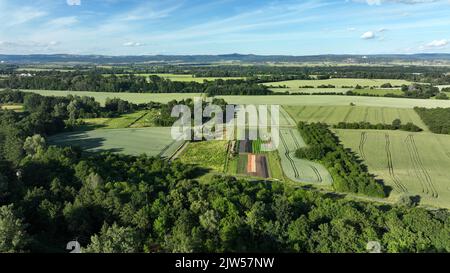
(63, 21)
(436, 44)
(74, 2)
(133, 44)
(368, 35)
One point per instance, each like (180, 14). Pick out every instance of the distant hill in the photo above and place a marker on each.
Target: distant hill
(205, 59)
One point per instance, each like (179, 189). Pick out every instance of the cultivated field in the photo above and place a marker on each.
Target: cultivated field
(12, 107)
(339, 83)
(411, 163)
(326, 100)
(131, 97)
(139, 119)
(155, 141)
(298, 169)
(207, 154)
(336, 114)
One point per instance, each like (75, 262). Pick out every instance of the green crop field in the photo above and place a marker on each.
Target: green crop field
(411, 163)
(326, 100)
(151, 141)
(139, 119)
(336, 114)
(298, 169)
(131, 97)
(296, 85)
(207, 154)
(310, 90)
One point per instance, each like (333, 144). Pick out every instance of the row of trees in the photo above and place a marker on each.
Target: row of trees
(396, 125)
(437, 119)
(97, 82)
(348, 174)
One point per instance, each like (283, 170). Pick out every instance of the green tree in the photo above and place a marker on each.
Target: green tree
(114, 239)
(34, 144)
(13, 237)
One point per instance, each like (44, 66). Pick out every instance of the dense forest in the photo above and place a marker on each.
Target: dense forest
(437, 119)
(348, 174)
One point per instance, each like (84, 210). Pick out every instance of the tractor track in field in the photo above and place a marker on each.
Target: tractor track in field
(297, 145)
(416, 167)
(327, 117)
(348, 114)
(288, 156)
(362, 142)
(383, 120)
(314, 113)
(427, 178)
(366, 115)
(316, 171)
(397, 182)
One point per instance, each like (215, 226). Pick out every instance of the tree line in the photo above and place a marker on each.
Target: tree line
(97, 82)
(349, 175)
(396, 125)
(437, 119)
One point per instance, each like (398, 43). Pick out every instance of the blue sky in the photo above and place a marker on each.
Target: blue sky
(137, 27)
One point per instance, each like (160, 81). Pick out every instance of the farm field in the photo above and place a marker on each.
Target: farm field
(139, 119)
(131, 97)
(336, 114)
(310, 90)
(338, 83)
(155, 141)
(298, 169)
(207, 154)
(411, 163)
(337, 100)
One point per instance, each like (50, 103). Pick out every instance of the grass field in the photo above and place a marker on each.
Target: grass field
(298, 169)
(336, 114)
(207, 154)
(310, 90)
(326, 100)
(151, 141)
(295, 85)
(411, 163)
(131, 97)
(139, 119)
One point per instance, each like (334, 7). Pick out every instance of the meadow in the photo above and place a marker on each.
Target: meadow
(155, 141)
(336, 114)
(139, 119)
(411, 163)
(296, 169)
(206, 154)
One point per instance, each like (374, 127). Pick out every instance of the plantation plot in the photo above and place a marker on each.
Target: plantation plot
(298, 169)
(336, 114)
(207, 154)
(411, 163)
(155, 141)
